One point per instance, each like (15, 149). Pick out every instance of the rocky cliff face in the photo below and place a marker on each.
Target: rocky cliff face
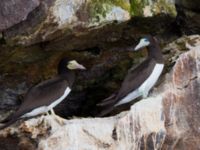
(99, 34)
(11, 12)
(167, 119)
(53, 19)
(60, 20)
(101, 41)
(188, 16)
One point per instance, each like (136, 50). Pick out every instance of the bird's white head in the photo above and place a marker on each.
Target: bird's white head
(143, 43)
(73, 64)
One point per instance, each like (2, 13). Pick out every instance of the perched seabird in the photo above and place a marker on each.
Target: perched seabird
(47, 94)
(139, 81)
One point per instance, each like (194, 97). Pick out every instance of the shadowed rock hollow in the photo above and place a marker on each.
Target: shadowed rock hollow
(167, 119)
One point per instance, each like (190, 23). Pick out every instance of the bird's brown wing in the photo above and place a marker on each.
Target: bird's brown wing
(42, 94)
(135, 78)
(107, 100)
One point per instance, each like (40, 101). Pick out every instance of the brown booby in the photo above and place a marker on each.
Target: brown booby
(139, 81)
(47, 94)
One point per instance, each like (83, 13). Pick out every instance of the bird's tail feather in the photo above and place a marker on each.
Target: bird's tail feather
(105, 111)
(7, 124)
(107, 101)
(6, 119)
(131, 97)
(107, 106)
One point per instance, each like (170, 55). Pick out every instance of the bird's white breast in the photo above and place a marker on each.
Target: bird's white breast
(145, 87)
(131, 96)
(44, 109)
(152, 79)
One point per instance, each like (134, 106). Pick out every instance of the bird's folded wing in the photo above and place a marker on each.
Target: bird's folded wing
(42, 94)
(108, 100)
(135, 78)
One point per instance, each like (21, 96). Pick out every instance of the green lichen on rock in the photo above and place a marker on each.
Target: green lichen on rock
(98, 11)
(100, 8)
(162, 6)
(150, 7)
(137, 7)
(121, 3)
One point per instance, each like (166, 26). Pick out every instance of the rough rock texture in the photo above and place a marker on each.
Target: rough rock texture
(60, 20)
(188, 17)
(167, 119)
(182, 102)
(15, 11)
(53, 19)
(149, 8)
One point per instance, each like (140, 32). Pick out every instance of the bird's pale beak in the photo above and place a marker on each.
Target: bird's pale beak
(141, 45)
(79, 66)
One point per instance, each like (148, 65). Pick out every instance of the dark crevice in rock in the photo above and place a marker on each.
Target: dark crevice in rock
(9, 143)
(195, 10)
(93, 50)
(2, 39)
(114, 134)
(97, 141)
(188, 19)
(188, 83)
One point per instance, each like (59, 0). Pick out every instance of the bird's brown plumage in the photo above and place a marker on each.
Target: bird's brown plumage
(46, 93)
(42, 94)
(135, 77)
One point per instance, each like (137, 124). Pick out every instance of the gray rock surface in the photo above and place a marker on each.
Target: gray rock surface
(62, 18)
(15, 11)
(36, 21)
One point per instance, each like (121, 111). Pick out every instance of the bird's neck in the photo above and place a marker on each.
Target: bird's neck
(154, 52)
(70, 76)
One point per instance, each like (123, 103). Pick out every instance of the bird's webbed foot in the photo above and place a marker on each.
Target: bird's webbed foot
(47, 113)
(60, 120)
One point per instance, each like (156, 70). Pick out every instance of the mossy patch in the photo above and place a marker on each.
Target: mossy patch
(137, 7)
(162, 6)
(156, 7)
(99, 8)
